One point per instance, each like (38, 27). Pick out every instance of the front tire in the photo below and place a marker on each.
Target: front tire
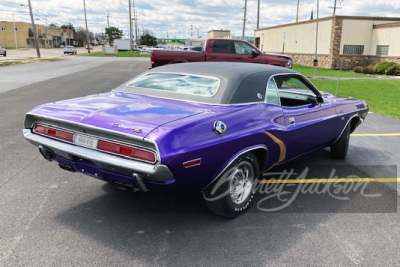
(5, 53)
(231, 194)
(340, 147)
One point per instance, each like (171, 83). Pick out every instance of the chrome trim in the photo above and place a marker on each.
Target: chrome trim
(176, 73)
(232, 160)
(95, 137)
(101, 157)
(350, 119)
(95, 128)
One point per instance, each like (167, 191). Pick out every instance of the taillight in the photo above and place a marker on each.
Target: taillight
(152, 58)
(54, 133)
(127, 151)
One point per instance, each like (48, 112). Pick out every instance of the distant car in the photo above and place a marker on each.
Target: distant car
(69, 49)
(210, 126)
(3, 51)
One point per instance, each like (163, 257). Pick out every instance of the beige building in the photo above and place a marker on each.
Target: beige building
(48, 36)
(343, 41)
(218, 34)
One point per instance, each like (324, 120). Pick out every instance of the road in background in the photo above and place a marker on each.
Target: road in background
(50, 217)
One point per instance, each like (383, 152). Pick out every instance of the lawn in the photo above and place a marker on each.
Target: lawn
(120, 54)
(382, 96)
(309, 72)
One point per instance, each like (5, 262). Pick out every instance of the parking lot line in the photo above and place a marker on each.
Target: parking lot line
(329, 180)
(377, 134)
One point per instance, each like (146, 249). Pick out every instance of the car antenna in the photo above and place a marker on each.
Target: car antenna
(338, 79)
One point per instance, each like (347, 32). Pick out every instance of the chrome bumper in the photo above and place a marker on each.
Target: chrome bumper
(149, 172)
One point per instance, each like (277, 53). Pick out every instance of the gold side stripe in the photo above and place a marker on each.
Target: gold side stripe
(378, 134)
(333, 180)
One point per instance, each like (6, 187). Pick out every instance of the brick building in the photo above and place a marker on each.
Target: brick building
(343, 41)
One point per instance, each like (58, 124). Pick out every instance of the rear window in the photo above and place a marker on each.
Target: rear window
(178, 83)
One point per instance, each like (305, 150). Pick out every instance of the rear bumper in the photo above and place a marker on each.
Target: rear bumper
(58, 150)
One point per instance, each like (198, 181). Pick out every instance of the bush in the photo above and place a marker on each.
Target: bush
(368, 70)
(358, 69)
(392, 70)
(381, 67)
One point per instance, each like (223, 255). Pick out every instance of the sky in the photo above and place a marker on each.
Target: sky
(184, 18)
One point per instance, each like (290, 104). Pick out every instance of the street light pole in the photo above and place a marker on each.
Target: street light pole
(316, 44)
(87, 31)
(34, 30)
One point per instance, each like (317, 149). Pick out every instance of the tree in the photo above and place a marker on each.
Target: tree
(68, 26)
(148, 39)
(113, 33)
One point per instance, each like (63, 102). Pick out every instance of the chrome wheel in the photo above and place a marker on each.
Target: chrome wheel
(241, 182)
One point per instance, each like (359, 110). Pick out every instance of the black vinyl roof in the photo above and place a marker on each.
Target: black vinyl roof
(239, 82)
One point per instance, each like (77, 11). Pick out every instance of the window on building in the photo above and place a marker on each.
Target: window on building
(353, 49)
(382, 50)
(39, 33)
(3, 29)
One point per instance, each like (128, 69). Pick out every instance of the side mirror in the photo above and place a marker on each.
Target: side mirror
(320, 99)
(255, 53)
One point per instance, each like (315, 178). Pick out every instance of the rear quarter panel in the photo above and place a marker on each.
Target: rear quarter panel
(194, 137)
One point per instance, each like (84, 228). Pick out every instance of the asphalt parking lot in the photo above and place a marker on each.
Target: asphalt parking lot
(51, 217)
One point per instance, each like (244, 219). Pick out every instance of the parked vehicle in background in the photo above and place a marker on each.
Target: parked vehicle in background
(69, 49)
(123, 45)
(212, 127)
(3, 51)
(228, 50)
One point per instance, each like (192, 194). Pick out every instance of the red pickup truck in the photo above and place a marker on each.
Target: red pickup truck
(220, 50)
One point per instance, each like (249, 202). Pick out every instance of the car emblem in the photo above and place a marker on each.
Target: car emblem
(135, 130)
(219, 127)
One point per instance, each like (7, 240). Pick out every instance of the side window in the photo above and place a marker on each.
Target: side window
(272, 93)
(294, 92)
(243, 48)
(224, 47)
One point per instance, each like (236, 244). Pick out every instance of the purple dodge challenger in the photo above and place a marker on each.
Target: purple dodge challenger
(213, 127)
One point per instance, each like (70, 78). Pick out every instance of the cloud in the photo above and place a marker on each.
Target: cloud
(181, 18)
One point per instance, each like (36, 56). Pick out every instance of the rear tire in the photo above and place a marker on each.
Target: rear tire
(231, 194)
(340, 147)
(5, 53)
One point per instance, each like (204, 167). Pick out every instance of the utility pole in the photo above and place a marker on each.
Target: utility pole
(130, 25)
(34, 30)
(108, 19)
(297, 14)
(45, 30)
(258, 14)
(136, 26)
(244, 19)
(15, 34)
(316, 43)
(87, 31)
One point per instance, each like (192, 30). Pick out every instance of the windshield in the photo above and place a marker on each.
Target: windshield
(178, 83)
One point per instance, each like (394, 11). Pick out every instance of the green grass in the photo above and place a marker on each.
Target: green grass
(382, 96)
(120, 54)
(309, 71)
